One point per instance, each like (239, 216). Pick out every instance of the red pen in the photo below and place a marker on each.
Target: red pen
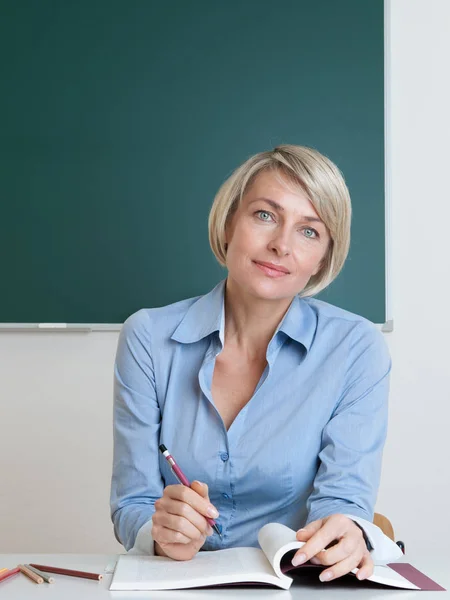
(183, 480)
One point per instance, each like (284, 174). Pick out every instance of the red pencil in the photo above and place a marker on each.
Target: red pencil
(69, 572)
(9, 573)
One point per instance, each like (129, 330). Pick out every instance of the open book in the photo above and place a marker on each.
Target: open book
(268, 565)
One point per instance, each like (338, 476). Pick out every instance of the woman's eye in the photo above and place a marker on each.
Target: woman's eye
(264, 215)
(310, 232)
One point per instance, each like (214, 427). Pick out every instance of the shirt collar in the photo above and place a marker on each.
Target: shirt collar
(300, 322)
(207, 315)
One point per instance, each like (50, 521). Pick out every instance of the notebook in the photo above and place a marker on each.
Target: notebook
(270, 565)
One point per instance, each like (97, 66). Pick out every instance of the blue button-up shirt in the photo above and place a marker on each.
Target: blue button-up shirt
(308, 444)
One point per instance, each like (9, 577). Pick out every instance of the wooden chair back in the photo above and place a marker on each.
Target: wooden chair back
(385, 525)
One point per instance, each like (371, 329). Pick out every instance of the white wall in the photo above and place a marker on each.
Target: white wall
(56, 388)
(416, 480)
(56, 441)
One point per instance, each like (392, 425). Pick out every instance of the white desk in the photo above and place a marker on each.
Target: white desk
(71, 588)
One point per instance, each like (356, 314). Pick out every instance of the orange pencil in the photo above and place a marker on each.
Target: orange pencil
(30, 574)
(7, 574)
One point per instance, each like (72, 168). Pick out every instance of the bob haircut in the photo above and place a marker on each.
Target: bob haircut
(322, 182)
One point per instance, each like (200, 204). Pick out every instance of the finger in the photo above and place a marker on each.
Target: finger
(303, 535)
(309, 530)
(181, 516)
(341, 568)
(352, 543)
(189, 496)
(365, 566)
(163, 536)
(332, 528)
(169, 546)
(201, 489)
(179, 524)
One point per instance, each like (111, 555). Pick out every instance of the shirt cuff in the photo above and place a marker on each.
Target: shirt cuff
(144, 544)
(384, 549)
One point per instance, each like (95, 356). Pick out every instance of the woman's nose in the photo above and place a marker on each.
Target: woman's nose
(280, 243)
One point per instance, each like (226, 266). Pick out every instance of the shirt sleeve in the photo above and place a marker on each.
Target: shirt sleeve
(136, 481)
(350, 458)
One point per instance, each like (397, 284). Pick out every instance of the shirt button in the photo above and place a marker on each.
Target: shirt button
(226, 496)
(224, 456)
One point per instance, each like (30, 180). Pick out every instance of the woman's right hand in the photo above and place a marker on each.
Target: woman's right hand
(180, 527)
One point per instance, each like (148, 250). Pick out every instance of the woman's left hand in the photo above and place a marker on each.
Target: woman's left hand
(349, 549)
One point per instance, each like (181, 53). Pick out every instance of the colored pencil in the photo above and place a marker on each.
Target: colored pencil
(30, 574)
(7, 574)
(45, 577)
(69, 572)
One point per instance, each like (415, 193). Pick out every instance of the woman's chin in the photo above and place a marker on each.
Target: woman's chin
(269, 289)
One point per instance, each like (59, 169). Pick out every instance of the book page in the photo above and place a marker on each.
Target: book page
(243, 592)
(275, 540)
(232, 565)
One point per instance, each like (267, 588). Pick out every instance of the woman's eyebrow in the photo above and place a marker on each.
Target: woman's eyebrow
(280, 208)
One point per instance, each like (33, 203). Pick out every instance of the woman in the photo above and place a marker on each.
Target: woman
(276, 403)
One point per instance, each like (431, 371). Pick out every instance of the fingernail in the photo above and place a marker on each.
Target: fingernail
(326, 576)
(298, 559)
(212, 512)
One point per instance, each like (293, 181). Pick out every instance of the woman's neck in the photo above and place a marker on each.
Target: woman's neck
(250, 322)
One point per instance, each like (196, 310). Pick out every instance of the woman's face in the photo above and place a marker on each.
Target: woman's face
(275, 224)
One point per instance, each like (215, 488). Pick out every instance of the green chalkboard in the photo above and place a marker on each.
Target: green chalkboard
(121, 118)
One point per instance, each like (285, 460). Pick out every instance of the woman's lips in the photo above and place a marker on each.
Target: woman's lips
(270, 272)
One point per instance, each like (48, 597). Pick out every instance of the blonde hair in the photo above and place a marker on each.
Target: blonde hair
(322, 182)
